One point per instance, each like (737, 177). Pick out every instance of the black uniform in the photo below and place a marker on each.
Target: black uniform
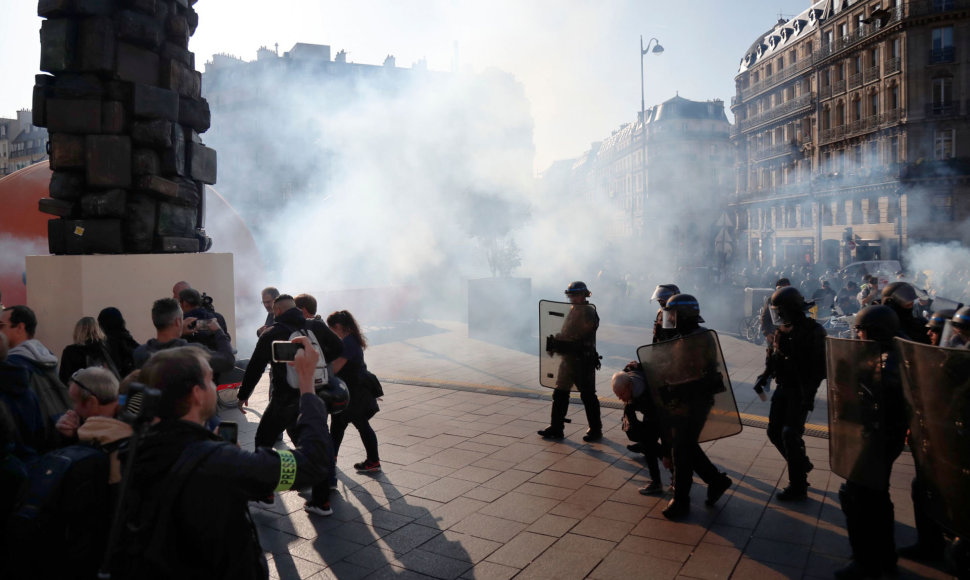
(284, 406)
(685, 415)
(577, 344)
(797, 362)
(645, 432)
(869, 515)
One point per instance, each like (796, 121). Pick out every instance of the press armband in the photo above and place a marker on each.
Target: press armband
(287, 470)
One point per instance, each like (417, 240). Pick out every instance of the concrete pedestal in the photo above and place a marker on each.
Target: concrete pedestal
(63, 289)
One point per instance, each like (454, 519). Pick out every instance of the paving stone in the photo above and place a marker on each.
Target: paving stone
(521, 550)
(765, 550)
(712, 562)
(483, 494)
(458, 546)
(519, 507)
(560, 564)
(508, 480)
(407, 538)
(488, 527)
(619, 564)
(656, 548)
(444, 489)
(476, 474)
(551, 525)
(602, 528)
(285, 567)
(490, 571)
(435, 565)
(546, 491)
(449, 514)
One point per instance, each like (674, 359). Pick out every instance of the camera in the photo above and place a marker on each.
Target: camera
(204, 324)
(285, 351)
(207, 302)
(141, 404)
(229, 431)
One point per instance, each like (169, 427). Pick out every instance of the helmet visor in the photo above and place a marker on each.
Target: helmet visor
(661, 293)
(670, 319)
(776, 318)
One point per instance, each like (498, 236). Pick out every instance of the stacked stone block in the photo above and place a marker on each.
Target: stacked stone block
(123, 107)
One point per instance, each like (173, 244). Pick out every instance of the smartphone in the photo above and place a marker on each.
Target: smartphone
(285, 351)
(229, 431)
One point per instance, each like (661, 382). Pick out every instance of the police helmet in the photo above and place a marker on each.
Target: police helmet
(335, 394)
(961, 318)
(901, 294)
(939, 318)
(664, 292)
(787, 305)
(881, 323)
(686, 308)
(578, 288)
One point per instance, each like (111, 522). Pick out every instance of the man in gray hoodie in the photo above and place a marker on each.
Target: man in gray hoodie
(18, 324)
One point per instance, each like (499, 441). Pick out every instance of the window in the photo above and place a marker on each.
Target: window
(942, 208)
(872, 210)
(894, 97)
(874, 104)
(942, 50)
(943, 144)
(858, 63)
(894, 150)
(843, 30)
(894, 48)
(942, 91)
(874, 57)
(857, 109)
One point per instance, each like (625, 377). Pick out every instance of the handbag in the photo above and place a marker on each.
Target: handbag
(371, 383)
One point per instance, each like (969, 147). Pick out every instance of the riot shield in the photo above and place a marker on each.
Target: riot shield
(682, 368)
(936, 382)
(552, 315)
(856, 438)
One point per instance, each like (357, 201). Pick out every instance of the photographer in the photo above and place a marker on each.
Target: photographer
(172, 330)
(283, 406)
(189, 517)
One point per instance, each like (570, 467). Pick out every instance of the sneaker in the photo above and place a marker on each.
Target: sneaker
(793, 493)
(321, 509)
(652, 488)
(717, 489)
(551, 433)
(368, 466)
(334, 483)
(677, 509)
(593, 435)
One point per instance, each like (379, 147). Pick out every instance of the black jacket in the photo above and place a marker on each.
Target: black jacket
(798, 361)
(285, 325)
(205, 530)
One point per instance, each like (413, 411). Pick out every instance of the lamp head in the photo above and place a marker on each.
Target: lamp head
(657, 49)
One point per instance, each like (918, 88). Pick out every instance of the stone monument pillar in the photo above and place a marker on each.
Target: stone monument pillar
(124, 111)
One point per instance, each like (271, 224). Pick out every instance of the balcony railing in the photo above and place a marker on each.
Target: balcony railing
(855, 80)
(892, 65)
(774, 151)
(944, 109)
(866, 125)
(871, 74)
(942, 55)
(777, 78)
(925, 7)
(787, 108)
(838, 87)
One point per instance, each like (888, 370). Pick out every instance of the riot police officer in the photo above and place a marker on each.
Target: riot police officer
(936, 326)
(867, 507)
(662, 293)
(576, 342)
(796, 360)
(961, 329)
(685, 413)
(901, 297)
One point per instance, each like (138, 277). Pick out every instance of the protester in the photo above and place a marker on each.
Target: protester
(121, 345)
(88, 349)
(189, 514)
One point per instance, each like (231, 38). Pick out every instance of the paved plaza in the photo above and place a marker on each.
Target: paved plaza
(468, 490)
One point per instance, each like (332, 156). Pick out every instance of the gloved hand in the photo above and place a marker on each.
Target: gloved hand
(760, 386)
(552, 345)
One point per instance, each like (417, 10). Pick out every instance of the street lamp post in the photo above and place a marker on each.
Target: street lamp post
(657, 49)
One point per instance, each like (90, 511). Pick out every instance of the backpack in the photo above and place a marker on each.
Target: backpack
(52, 397)
(66, 512)
(321, 376)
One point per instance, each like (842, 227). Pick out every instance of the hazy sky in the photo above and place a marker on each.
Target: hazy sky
(578, 59)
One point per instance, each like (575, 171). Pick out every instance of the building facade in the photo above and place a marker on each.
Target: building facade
(21, 143)
(851, 133)
(669, 178)
(288, 125)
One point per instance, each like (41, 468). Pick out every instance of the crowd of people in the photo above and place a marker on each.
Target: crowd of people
(134, 428)
(113, 456)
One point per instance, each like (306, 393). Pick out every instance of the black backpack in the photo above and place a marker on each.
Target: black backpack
(61, 528)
